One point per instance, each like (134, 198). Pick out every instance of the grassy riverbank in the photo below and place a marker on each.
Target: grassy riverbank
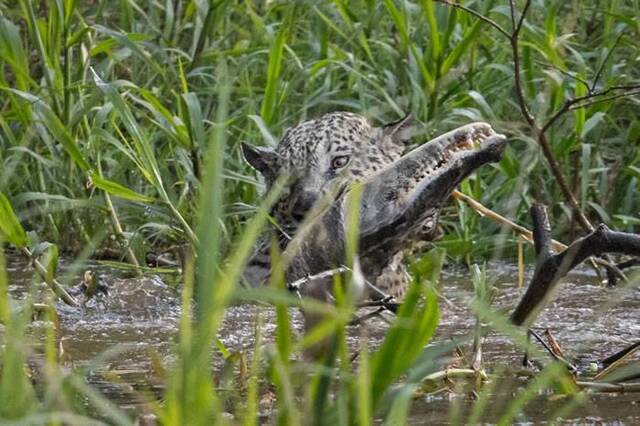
(120, 132)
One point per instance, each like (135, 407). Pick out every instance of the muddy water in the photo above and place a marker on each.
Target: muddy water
(140, 319)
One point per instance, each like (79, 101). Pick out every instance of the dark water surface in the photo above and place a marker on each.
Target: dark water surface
(140, 318)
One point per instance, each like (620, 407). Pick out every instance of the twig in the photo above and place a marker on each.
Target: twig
(541, 232)
(522, 103)
(298, 284)
(610, 98)
(117, 228)
(529, 118)
(612, 278)
(387, 303)
(576, 103)
(516, 62)
(604, 62)
(480, 16)
(456, 373)
(612, 269)
(53, 284)
(612, 362)
(359, 320)
(484, 211)
(610, 387)
(551, 352)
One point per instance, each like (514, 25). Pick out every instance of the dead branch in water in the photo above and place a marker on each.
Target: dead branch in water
(552, 267)
(613, 270)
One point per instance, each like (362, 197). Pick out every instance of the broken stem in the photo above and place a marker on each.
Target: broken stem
(53, 284)
(482, 210)
(527, 235)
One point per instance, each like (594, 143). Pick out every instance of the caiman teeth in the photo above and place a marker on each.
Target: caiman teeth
(471, 139)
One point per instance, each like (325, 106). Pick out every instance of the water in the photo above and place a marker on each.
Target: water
(140, 318)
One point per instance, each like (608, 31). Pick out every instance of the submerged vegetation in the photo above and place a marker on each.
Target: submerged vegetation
(120, 132)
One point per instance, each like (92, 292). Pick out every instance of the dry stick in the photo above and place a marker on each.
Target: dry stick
(501, 220)
(550, 351)
(298, 284)
(616, 360)
(117, 227)
(590, 99)
(524, 232)
(456, 373)
(610, 387)
(550, 268)
(53, 284)
(522, 103)
(604, 62)
(480, 16)
(541, 136)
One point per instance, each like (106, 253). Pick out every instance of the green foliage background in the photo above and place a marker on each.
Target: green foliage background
(120, 97)
(125, 118)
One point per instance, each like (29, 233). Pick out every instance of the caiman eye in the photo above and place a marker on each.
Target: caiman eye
(339, 162)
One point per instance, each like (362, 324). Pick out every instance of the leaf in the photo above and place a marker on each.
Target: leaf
(196, 122)
(402, 26)
(580, 114)
(429, 266)
(10, 225)
(13, 53)
(604, 216)
(461, 47)
(264, 131)
(633, 134)
(409, 334)
(591, 123)
(118, 190)
(482, 103)
(267, 110)
(44, 114)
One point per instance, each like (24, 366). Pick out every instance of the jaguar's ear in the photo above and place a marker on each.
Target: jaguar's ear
(264, 160)
(399, 131)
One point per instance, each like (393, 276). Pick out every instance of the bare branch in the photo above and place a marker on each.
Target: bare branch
(516, 62)
(582, 101)
(516, 30)
(57, 288)
(541, 232)
(606, 59)
(478, 15)
(484, 211)
(607, 99)
(298, 284)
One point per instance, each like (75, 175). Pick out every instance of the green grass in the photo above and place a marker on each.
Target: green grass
(120, 132)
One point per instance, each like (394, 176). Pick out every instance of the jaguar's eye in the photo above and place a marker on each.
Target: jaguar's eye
(339, 162)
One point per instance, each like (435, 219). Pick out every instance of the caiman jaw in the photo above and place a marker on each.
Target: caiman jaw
(461, 144)
(411, 191)
(457, 154)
